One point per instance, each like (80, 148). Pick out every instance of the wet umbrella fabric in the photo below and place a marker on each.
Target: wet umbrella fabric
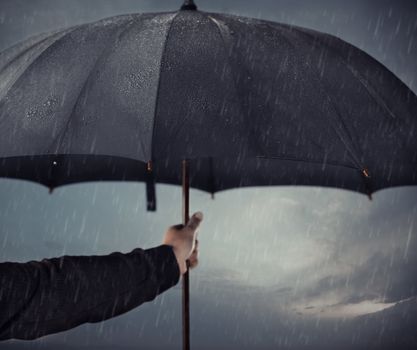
(250, 102)
(247, 102)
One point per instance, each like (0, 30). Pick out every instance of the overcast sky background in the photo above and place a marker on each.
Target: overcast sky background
(299, 268)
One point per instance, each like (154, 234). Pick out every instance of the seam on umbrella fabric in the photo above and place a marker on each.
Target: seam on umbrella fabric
(30, 47)
(255, 92)
(358, 148)
(143, 146)
(295, 29)
(211, 18)
(369, 89)
(57, 142)
(342, 132)
(69, 31)
(380, 101)
(163, 54)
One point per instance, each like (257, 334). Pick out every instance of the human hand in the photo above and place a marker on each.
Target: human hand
(183, 240)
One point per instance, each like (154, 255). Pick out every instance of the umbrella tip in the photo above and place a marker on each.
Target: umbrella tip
(189, 5)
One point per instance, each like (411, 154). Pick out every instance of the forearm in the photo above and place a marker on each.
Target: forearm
(39, 298)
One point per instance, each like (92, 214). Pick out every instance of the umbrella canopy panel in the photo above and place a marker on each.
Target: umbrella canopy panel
(252, 102)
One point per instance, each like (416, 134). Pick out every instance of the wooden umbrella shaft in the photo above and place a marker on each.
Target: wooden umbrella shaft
(186, 279)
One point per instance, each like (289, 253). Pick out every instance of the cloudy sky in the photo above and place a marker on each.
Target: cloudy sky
(299, 268)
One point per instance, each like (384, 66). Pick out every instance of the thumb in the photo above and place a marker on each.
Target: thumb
(195, 221)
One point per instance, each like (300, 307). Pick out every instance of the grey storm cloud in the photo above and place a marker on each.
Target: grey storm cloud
(383, 277)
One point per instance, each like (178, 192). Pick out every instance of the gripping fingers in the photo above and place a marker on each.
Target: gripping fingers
(195, 221)
(194, 256)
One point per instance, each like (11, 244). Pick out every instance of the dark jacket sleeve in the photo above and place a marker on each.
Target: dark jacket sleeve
(53, 295)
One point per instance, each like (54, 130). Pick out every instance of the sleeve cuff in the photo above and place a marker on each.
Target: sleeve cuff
(166, 270)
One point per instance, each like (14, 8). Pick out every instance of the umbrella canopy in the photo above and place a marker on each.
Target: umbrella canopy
(248, 102)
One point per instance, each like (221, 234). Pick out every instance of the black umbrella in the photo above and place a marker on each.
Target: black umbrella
(243, 102)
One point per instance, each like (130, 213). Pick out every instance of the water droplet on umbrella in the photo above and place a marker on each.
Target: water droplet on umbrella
(45, 110)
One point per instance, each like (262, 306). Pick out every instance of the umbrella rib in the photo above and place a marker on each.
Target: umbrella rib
(57, 142)
(30, 47)
(223, 32)
(341, 136)
(340, 128)
(17, 79)
(369, 89)
(158, 89)
(372, 92)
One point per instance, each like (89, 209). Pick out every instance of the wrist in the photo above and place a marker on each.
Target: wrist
(181, 261)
